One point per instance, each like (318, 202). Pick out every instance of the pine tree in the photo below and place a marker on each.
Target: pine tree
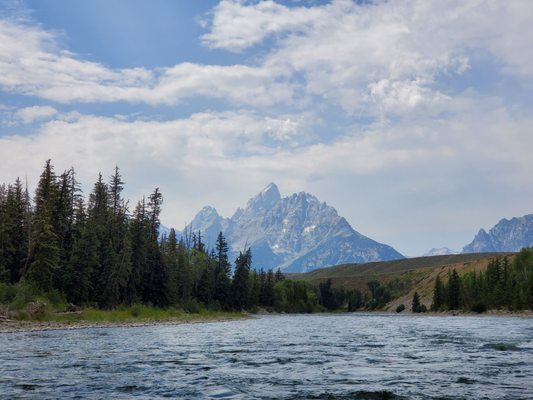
(171, 260)
(16, 231)
(63, 222)
(454, 291)
(222, 273)
(5, 240)
(45, 252)
(415, 305)
(45, 256)
(84, 260)
(184, 272)
(239, 287)
(438, 295)
(156, 288)
(140, 239)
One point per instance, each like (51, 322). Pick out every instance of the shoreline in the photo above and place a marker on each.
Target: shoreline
(13, 326)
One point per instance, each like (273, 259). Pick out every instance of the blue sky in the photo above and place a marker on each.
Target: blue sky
(412, 118)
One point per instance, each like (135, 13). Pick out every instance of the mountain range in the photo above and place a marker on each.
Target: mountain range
(297, 233)
(507, 235)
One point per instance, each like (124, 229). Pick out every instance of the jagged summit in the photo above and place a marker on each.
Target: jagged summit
(265, 199)
(507, 235)
(295, 233)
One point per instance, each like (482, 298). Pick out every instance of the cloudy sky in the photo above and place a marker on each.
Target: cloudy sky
(413, 118)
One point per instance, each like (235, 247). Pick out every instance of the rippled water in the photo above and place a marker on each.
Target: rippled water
(349, 356)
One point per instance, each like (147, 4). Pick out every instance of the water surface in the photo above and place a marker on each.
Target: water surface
(348, 356)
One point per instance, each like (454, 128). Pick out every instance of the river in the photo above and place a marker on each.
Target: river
(344, 356)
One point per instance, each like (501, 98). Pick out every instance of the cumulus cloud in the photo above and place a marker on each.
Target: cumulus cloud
(349, 95)
(31, 64)
(369, 58)
(222, 158)
(31, 114)
(379, 56)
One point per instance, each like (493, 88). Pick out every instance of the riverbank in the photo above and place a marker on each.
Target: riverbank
(78, 322)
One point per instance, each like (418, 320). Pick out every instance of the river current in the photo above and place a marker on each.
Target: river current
(344, 356)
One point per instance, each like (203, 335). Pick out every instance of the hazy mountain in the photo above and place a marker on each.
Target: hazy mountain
(507, 235)
(295, 233)
(441, 251)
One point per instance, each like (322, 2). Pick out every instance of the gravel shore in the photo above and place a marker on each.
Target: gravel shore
(9, 326)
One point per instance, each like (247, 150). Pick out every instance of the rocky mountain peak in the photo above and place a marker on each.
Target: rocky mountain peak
(507, 235)
(266, 199)
(295, 233)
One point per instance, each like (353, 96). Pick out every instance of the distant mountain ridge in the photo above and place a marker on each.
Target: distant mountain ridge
(441, 251)
(297, 233)
(507, 235)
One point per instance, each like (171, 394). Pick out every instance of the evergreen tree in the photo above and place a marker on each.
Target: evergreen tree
(156, 287)
(5, 240)
(415, 305)
(16, 229)
(438, 295)
(184, 272)
(326, 295)
(222, 273)
(84, 260)
(140, 239)
(239, 286)
(45, 256)
(45, 251)
(454, 291)
(170, 250)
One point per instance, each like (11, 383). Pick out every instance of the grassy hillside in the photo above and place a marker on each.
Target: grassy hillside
(403, 277)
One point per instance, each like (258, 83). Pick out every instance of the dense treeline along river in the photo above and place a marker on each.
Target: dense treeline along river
(349, 356)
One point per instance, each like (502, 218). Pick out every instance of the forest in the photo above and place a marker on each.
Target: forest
(96, 252)
(504, 285)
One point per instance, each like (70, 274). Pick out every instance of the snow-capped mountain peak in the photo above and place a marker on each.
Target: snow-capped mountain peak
(295, 233)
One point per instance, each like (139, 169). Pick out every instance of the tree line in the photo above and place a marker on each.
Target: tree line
(95, 251)
(504, 285)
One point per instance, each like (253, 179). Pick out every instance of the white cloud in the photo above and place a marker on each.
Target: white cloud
(31, 64)
(347, 51)
(31, 114)
(430, 149)
(222, 158)
(236, 26)
(342, 53)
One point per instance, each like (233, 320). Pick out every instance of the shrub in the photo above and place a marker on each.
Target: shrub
(7, 293)
(192, 307)
(400, 308)
(25, 294)
(479, 308)
(136, 310)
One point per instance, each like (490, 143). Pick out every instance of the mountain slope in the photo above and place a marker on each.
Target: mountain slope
(507, 235)
(296, 233)
(406, 275)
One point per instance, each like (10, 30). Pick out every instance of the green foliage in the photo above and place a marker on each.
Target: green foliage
(379, 296)
(7, 293)
(438, 295)
(294, 297)
(400, 308)
(416, 307)
(503, 285)
(240, 285)
(328, 297)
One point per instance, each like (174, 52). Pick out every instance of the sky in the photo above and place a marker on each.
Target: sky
(414, 119)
